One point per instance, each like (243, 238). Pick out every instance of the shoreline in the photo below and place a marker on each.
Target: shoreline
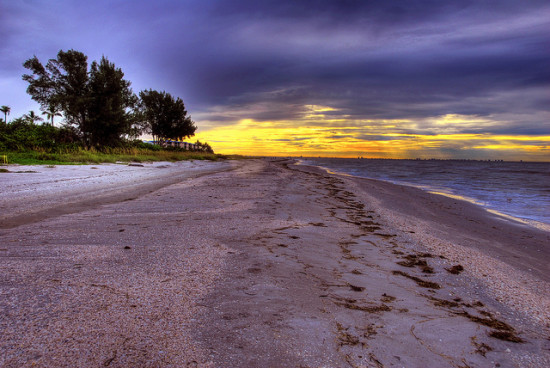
(266, 263)
(426, 188)
(485, 243)
(451, 206)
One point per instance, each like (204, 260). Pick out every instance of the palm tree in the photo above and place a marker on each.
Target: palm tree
(51, 113)
(6, 110)
(32, 117)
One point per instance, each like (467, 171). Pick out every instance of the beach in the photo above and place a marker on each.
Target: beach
(261, 263)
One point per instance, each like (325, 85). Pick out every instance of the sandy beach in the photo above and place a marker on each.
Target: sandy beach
(261, 263)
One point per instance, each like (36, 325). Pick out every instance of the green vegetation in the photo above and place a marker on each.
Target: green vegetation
(120, 155)
(27, 143)
(102, 117)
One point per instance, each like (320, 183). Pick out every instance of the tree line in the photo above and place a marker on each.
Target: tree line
(98, 106)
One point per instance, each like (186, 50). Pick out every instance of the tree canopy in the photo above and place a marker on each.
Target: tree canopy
(98, 101)
(165, 117)
(6, 110)
(32, 118)
(110, 105)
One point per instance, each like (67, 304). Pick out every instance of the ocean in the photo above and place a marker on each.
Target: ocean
(517, 189)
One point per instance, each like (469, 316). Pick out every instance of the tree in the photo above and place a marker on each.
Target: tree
(110, 105)
(62, 83)
(32, 118)
(165, 117)
(97, 102)
(6, 110)
(51, 112)
(204, 147)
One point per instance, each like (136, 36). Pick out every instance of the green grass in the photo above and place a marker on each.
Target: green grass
(111, 155)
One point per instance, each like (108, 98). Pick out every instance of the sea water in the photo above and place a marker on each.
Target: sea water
(517, 189)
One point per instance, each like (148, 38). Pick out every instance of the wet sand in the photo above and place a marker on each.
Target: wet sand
(261, 263)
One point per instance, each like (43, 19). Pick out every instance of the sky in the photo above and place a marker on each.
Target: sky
(465, 79)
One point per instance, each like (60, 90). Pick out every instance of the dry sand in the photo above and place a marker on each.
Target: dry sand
(260, 263)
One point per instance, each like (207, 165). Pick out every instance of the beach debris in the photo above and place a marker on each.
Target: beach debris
(501, 330)
(365, 308)
(348, 339)
(344, 337)
(375, 360)
(387, 298)
(419, 281)
(127, 247)
(385, 236)
(455, 270)
(506, 336)
(444, 303)
(412, 260)
(320, 224)
(356, 288)
(481, 348)
(370, 331)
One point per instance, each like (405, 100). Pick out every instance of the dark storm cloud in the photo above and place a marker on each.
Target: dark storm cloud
(375, 60)
(266, 60)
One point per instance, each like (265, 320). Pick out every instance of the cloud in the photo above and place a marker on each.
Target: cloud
(408, 62)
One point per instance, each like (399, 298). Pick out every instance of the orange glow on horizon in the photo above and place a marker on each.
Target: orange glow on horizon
(370, 138)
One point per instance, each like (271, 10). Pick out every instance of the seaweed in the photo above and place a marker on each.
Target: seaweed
(347, 339)
(412, 260)
(506, 336)
(489, 322)
(455, 270)
(481, 348)
(370, 331)
(356, 288)
(385, 236)
(427, 269)
(444, 303)
(320, 224)
(419, 281)
(501, 330)
(369, 309)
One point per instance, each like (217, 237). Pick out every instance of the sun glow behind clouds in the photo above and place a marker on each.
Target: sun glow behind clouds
(322, 131)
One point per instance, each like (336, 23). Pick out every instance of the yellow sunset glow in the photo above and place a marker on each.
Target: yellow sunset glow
(316, 134)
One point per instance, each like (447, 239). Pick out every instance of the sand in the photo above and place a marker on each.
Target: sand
(261, 263)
